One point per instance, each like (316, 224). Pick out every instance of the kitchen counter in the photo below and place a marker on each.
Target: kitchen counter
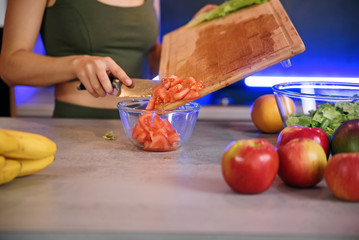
(98, 189)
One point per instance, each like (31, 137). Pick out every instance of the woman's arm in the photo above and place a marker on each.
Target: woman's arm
(20, 66)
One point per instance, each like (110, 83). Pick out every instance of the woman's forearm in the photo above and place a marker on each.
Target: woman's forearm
(27, 68)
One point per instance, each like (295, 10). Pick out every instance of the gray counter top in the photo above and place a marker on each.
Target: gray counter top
(97, 189)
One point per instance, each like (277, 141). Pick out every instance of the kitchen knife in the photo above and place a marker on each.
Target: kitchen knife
(142, 88)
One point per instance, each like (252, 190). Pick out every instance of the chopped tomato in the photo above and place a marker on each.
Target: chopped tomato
(198, 86)
(156, 89)
(142, 137)
(189, 82)
(175, 80)
(192, 95)
(167, 125)
(147, 145)
(181, 94)
(145, 120)
(166, 82)
(164, 95)
(158, 101)
(162, 131)
(173, 91)
(136, 131)
(151, 104)
(173, 137)
(160, 141)
(139, 133)
(155, 134)
(161, 95)
(174, 88)
(157, 122)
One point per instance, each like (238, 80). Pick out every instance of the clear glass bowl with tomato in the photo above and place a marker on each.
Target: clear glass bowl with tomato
(157, 130)
(317, 104)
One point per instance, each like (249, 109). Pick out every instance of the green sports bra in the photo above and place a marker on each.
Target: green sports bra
(126, 34)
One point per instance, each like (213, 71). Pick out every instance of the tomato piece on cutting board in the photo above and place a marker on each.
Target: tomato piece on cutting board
(166, 83)
(181, 94)
(174, 88)
(175, 80)
(191, 95)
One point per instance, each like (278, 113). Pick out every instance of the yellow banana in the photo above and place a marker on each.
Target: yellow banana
(2, 162)
(8, 143)
(31, 166)
(31, 145)
(10, 171)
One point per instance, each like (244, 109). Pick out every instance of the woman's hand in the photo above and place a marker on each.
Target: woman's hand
(94, 72)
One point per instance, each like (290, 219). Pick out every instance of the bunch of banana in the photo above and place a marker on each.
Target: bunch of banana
(23, 153)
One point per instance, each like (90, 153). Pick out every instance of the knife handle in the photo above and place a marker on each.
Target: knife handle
(116, 83)
(81, 87)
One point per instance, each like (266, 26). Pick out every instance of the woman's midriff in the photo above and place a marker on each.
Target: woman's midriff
(68, 92)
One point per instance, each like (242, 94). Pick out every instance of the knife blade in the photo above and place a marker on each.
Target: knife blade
(142, 88)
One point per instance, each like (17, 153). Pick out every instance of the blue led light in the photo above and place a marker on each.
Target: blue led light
(24, 94)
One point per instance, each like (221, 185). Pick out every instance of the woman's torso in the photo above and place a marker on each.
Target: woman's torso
(126, 34)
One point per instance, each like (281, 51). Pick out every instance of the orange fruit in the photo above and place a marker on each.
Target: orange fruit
(265, 114)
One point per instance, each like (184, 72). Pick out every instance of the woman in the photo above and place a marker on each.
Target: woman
(85, 41)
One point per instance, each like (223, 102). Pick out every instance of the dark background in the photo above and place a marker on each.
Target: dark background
(4, 93)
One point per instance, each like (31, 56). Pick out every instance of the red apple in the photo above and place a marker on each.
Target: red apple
(250, 166)
(316, 134)
(302, 162)
(346, 137)
(342, 176)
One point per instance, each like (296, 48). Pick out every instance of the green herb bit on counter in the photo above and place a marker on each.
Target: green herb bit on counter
(328, 116)
(109, 136)
(223, 10)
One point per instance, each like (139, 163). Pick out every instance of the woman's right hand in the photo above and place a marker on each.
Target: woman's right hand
(94, 72)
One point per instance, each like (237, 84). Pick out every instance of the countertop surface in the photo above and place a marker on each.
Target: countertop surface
(98, 189)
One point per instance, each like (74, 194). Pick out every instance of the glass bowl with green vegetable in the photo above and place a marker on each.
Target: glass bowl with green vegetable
(317, 104)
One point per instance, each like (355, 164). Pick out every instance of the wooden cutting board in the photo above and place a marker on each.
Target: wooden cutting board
(228, 49)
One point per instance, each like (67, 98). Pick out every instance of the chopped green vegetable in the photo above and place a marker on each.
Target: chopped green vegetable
(109, 136)
(328, 116)
(223, 10)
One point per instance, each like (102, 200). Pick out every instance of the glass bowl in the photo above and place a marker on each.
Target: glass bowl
(157, 130)
(317, 104)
